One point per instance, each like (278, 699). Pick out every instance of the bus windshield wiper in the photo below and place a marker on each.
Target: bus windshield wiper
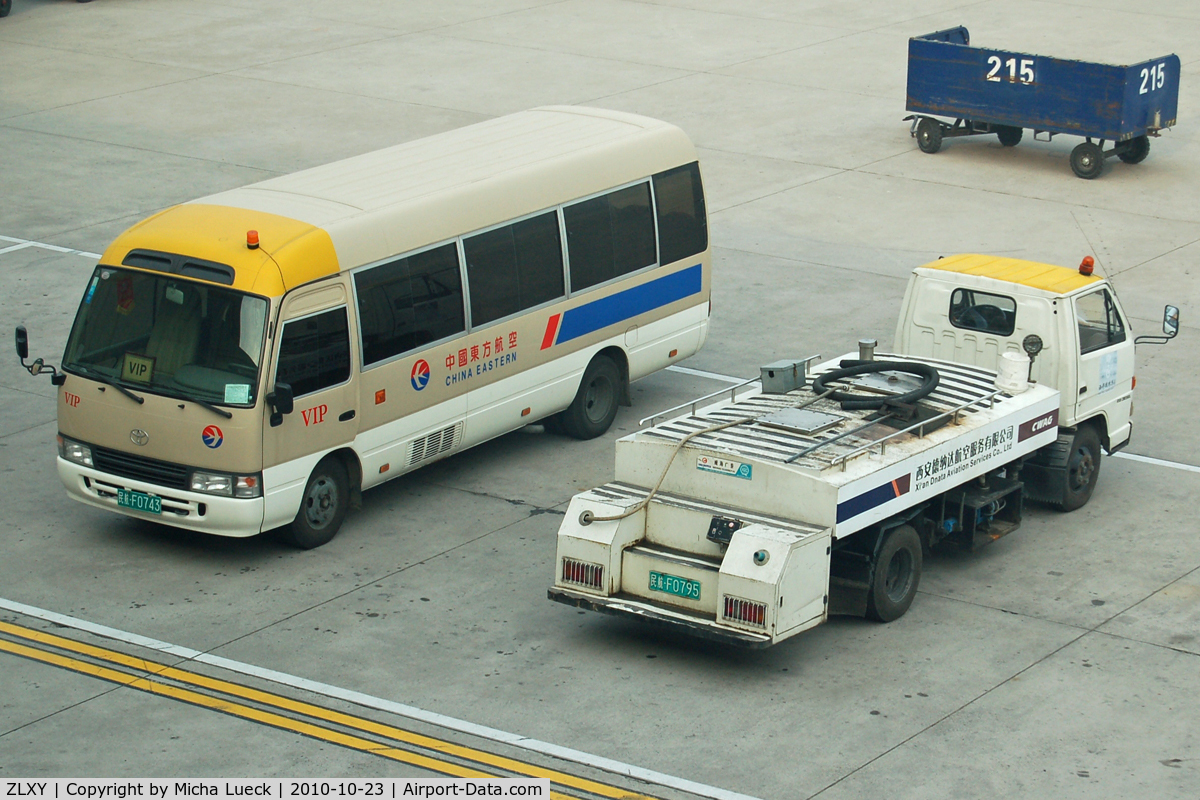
(99, 377)
(215, 409)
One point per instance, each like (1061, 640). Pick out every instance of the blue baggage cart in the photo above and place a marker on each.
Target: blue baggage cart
(1001, 92)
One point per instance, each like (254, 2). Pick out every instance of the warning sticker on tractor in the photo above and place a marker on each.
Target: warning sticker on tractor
(735, 469)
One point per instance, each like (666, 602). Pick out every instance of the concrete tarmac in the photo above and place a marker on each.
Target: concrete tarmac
(1063, 661)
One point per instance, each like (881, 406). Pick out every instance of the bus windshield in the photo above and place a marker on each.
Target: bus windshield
(170, 336)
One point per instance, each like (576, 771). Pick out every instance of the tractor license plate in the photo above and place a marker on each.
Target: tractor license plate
(139, 501)
(672, 584)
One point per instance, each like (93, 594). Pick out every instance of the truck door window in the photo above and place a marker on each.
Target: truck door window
(981, 311)
(314, 352)
(1100, 324)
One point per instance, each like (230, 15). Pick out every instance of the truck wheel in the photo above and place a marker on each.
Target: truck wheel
(1136, 151)
(929, 135)
(1083, 469)
(1087, 160)
(896, 575)
(324, 506)
(595, 405)
(1008, 135)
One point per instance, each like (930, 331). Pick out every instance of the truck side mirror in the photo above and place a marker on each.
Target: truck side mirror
(1170, 322)
(23, 342)
(282, 402)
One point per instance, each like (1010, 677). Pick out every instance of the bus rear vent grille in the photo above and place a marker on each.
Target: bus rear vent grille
(583, 573)
(435, 443)
(745, 612)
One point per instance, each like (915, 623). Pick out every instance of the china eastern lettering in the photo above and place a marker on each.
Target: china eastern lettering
(481, 368)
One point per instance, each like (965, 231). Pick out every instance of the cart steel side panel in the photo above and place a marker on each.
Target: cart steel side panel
(948, 77)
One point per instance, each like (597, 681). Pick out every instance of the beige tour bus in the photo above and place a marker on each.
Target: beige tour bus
(254, 359)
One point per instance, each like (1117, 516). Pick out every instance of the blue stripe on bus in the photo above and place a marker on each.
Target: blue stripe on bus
(593, 316)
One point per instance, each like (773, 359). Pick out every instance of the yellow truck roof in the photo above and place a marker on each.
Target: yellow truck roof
(1044, 277)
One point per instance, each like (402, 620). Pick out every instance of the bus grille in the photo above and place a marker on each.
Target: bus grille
(162, 473)
(434, 444)
(745, 612)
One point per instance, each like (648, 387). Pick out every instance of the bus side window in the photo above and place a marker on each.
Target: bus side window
(314, 352)
(610, 236)
(514, 267)
(409, 303)
(682, 221)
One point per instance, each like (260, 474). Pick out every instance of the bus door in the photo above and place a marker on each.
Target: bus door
(313, 356)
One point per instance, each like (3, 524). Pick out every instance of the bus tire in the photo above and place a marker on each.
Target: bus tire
(324, 506)
(896, 575)
(594, 408)
(1083, 469)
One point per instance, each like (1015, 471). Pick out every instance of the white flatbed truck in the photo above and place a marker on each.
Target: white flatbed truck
(759, 511)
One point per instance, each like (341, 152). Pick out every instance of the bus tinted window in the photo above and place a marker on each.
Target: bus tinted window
(682, 223)
(409, 303)
(610, 236)
(314, 352)
(513, 268)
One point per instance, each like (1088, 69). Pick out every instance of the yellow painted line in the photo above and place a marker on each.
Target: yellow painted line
(239, 710)
(325, 714)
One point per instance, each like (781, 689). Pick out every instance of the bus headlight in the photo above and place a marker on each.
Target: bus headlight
(75, 451)
(212, 483)
(228, 485)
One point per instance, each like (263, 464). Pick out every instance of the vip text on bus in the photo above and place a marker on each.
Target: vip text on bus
(254, 359)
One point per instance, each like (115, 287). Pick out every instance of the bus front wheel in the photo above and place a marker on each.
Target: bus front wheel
(595, 405)
(324, 506)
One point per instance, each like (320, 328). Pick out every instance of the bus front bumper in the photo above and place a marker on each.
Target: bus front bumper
(194, 511)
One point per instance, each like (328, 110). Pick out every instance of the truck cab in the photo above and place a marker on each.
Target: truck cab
(971, 309)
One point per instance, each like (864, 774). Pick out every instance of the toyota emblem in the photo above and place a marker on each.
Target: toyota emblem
(139, 437)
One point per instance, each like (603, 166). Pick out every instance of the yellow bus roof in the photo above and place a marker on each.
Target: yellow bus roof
(370, 207)
(1044, 277)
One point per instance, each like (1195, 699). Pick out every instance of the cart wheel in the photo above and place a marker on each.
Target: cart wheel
(1008, 135)
(1136, 151)
(1087, 160)
(929, 135)
(5, 7)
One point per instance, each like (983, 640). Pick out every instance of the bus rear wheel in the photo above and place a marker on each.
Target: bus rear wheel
(323, 507)
(594, 408)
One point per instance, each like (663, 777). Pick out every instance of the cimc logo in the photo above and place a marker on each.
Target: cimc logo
(212, 437)
(420, 374)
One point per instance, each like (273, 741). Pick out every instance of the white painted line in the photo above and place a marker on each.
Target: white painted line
(370, 701)
(1158, 462)
(712, 376)
(20, 244)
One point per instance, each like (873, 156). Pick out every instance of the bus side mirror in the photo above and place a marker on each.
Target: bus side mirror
(23, 343)
(1170, 323)
(282, 402)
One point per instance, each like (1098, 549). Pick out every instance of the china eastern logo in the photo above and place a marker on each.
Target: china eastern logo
(212, 437)
(420, 374)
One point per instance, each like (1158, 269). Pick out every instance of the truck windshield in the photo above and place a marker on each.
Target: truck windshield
(171, 336)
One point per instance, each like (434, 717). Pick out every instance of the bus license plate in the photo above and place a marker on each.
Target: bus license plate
(139, 501)
(672, 584)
